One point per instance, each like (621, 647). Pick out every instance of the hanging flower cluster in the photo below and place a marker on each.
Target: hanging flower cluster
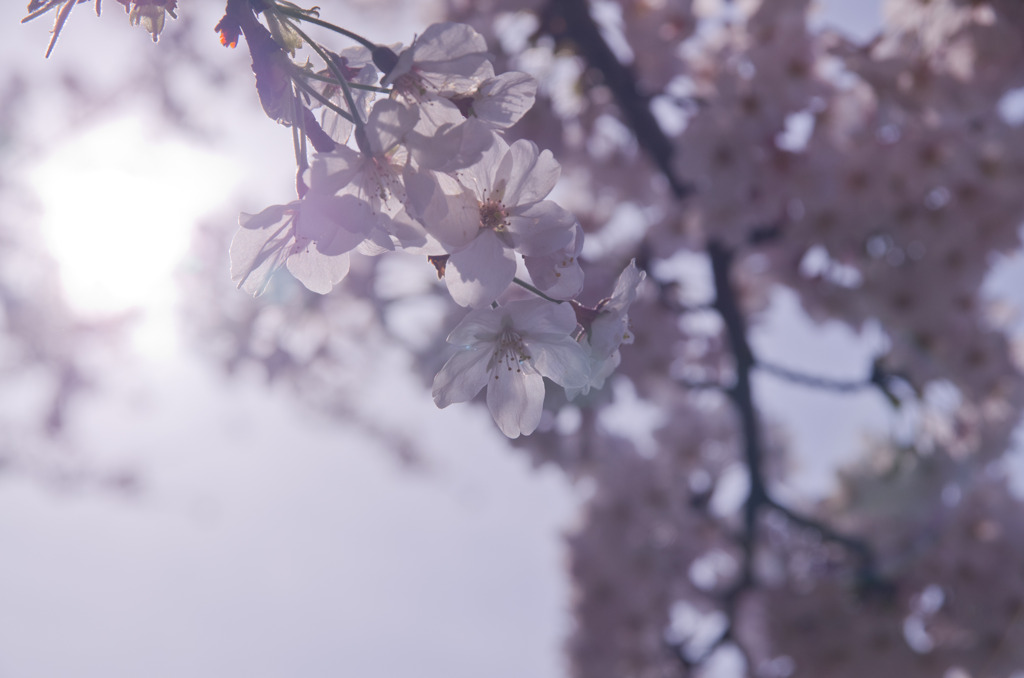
(409, 154)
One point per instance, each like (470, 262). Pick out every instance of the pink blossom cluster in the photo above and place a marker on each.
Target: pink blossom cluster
(879, 181)
(429, 172)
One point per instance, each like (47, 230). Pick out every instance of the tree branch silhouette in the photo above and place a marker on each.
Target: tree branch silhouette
(571, 20)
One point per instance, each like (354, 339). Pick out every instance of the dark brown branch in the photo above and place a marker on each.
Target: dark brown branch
(571, 20)
(742, 396)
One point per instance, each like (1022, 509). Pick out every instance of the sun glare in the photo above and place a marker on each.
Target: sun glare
(119, 205)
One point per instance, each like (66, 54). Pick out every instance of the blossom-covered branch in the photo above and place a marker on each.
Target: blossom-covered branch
(409, 156)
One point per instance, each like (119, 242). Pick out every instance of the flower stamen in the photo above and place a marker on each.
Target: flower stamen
(493, 215)
(510, 351)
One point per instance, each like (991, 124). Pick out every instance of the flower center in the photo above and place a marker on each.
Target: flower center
(493, 215)
(509, 354)
(412, 85)
(383, 181)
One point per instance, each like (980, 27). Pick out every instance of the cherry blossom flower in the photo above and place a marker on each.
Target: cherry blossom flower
(609, 329)
(447, 57)
(497, 208)
(373, 176)
(444, 140)
(448, 61)
(500, 101)
(559, 274)
(296, 236)
(510, 350)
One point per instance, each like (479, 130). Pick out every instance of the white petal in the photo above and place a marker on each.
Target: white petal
(559, 274)
(445, 141)
(335, 223)
(261, 246)
(388, 124)
(331, 172)
(600, 370)
(447, 40)
(542, 228)
(480, 326)
(477, 274)
(452, 57)
(611, 327)
(515, 399)
(447, 209)
(408, 234)
(462, 376)
(533, 176)
(563, 360)
(491, 172)
(540, 318)
(503, 100)
(265, 218)
(546, 330)
(626, 286)
(608, 332)
(318, 272)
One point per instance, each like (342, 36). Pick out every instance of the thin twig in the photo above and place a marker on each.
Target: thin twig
(527, 286)
(336, 72)
(814, 381)
(305, 87)
(708, 385)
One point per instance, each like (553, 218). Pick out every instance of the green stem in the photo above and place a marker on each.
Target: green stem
(354, 85)
(319, 97)
(298, 142)
(326, 24)
(528, 286)
(356, 119)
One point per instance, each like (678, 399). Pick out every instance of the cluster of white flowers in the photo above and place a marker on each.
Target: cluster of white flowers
(429, 172)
